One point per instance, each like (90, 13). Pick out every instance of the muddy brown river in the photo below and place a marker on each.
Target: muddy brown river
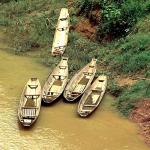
(58, 126)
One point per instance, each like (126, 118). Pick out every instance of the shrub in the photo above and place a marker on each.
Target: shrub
(118, 20)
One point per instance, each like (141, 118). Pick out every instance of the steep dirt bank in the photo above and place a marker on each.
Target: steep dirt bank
(86, 28)
(141, 116)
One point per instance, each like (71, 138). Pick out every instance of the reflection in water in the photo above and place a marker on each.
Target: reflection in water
(58, 127)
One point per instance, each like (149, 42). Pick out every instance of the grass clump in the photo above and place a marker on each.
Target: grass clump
(31, 23)
(129, 98)
(131, 55)
(114, 89)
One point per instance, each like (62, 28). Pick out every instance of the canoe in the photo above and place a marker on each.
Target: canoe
(30, 102)
(61, 34)
(56, 82)
(92, 96)
(80, 81)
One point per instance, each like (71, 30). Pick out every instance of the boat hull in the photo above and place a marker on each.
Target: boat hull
(30, 103)
(80, 82)
(92, 97)
(56, 82)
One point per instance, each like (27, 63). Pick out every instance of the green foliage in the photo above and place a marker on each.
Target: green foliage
(32, 23)
(143, 25)
(37, 32)
(6, 1)
(5, 21)
(131, 55)
(114, 89)
(118, 20)
(127, 101)
(117, 16)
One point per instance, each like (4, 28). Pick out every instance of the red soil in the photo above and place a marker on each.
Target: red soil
(141, 115)
(126, 81)
(85, 28)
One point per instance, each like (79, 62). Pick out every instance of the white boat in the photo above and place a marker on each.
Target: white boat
(61, 34)
(80, 81)
(30, 102)
(92, 96)
(56, 82)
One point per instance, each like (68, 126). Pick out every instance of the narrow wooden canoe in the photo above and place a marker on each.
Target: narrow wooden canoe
(92, 96)
(80, 81)
(56, 82)
(30, 102)
(61, 34)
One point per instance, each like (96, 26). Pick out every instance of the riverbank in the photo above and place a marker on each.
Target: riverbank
(141, 116)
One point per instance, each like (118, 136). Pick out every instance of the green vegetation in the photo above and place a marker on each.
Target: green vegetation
(130, 55)
(127, 101)
(117, 17)
(31, 25)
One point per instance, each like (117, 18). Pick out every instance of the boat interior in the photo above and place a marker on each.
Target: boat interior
(81, 85)
(28, 110)
(62, 29)
(56, 86)
(93, 99)
(30, 107)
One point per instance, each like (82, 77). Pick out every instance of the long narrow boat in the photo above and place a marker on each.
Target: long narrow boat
(61, 34)
(92, 96)
(80, 81)
(56, 82)
(30, 102)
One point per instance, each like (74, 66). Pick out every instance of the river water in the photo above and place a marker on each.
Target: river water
(58, 126)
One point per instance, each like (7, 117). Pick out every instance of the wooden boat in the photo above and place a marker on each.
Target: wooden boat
(30, 102)
(92, 96)
(56, 82)
(80, 82)
(61, 34)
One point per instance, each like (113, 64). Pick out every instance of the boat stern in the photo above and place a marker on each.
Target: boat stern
(48, 99)
(84, 113)
(71, 96)
(58, 50)
(26, 122)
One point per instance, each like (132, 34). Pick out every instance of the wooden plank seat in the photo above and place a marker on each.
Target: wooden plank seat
(86, 110)
(90, 105)
(58, 51)
(29, 112)
(88, 73)
(75, 93)
(50, 94)
(59, 77)
(97, 90)
(32, 86)
(79, 88)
